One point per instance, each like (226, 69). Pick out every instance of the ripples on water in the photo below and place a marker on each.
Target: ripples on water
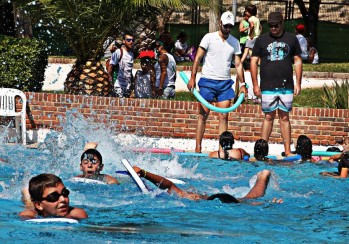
(313, 210)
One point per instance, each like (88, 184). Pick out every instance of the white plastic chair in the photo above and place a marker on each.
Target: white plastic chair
(8, 108)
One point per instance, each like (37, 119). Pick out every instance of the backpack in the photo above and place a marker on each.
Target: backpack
(116, 68)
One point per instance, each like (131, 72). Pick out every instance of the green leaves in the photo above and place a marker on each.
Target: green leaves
(22, 63)
(337, 96)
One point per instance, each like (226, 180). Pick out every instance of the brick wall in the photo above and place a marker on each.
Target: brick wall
(163, 118)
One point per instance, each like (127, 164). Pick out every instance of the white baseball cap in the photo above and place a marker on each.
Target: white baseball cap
(227, 18)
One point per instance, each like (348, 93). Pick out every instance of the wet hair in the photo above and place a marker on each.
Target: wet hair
(39, 183)
(226, 140)
(252, 9)
(333, 149)
(224, 198)
(92, 152)
(261, 150)
(304, 147)
(343, 162)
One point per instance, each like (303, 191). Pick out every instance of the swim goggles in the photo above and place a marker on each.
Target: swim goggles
(89, 157)
(54, 196)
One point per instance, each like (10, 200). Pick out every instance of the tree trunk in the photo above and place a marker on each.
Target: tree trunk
(88, 79)
(214, 15)
(7, 22)
(23, 24)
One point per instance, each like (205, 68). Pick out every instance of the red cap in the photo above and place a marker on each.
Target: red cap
(148, 53)
(300, 28)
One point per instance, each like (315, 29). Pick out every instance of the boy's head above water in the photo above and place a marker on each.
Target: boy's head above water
(49, 195)
(91, 163)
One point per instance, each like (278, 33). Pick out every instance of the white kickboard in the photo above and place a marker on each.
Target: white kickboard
(135, 176)
(50, 220)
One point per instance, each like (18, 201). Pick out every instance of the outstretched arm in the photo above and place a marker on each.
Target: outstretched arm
(258, 190)
(164, 184)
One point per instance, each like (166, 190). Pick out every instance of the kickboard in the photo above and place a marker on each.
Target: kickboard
(89, 181)
(53, 220)
(135, 176)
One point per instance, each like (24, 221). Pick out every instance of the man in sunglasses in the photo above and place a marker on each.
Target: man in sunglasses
(91, 166)
(277, 51)
(123, 58)
(217, 50)
(50, 198)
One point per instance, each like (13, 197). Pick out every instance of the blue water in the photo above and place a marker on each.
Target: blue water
(314, 208)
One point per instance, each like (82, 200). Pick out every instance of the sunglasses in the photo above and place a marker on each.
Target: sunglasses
(54, 196)
(227, 26)
(130, 39)
(274, 26)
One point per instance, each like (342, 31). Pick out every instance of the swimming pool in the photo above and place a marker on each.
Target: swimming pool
(313, 210)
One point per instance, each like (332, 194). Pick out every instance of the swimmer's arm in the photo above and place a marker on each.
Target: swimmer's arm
(344, 173)
(90, 145)
(334, 157)
(332, 174)
(111, 180)
(27, 214)
(77, 213)
(213, 154)
(157, 180)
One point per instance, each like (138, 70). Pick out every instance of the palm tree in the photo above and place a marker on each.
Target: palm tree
(86, 24)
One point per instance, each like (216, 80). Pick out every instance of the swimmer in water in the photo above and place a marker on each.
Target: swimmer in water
(343, 166)
(226, 151)
(258, 190)
(50, 198)
(91, 165)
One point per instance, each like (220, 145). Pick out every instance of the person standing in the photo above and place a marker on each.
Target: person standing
(217, 50)
(123, 57)
(244, 29)
(254, 33)
(165, 70)
(277, 50)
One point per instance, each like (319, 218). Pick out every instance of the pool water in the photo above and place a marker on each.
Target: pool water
(314, 208)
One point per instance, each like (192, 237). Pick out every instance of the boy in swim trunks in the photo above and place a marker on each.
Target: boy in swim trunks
(217, 50)
(227, 152)
(50, 198)
(276, 50)
(258, 190)
(91, 166)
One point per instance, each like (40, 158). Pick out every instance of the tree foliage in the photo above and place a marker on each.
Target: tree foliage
(86, 24)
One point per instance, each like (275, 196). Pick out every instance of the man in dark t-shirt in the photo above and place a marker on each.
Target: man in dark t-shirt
(276, 51)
